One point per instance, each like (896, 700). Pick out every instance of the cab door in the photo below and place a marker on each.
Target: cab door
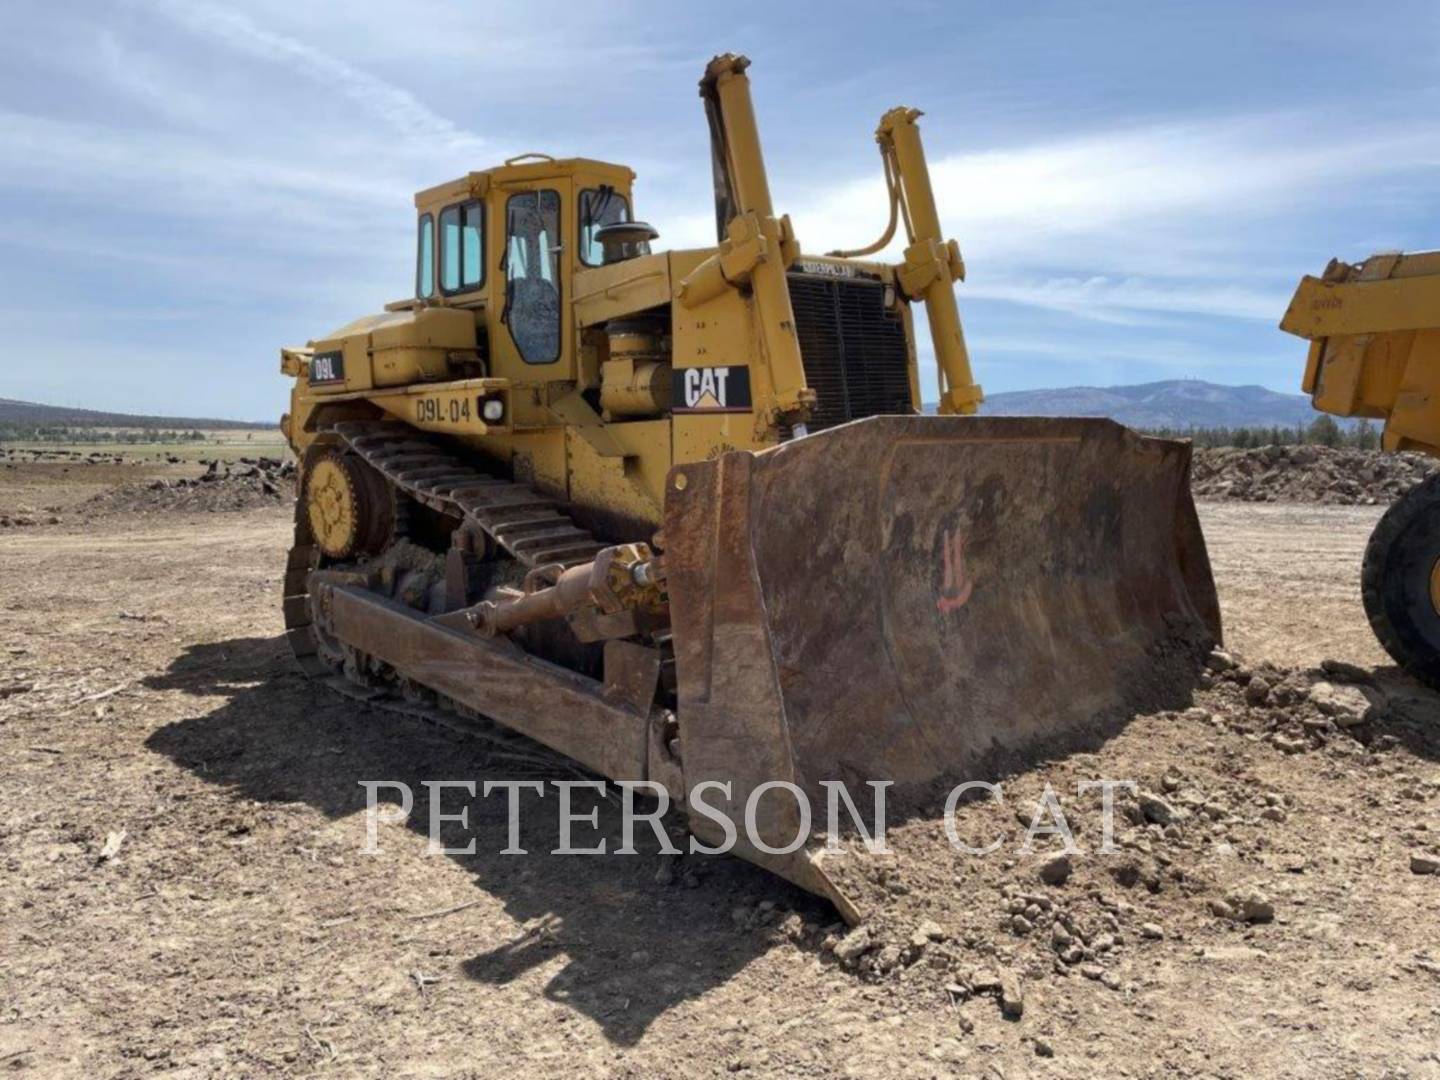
(533, 264)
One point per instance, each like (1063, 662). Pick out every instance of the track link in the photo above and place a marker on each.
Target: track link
(531, 528)
(304, 557)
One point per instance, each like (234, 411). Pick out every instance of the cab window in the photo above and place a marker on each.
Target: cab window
(599, 207)
(425, 258)
(532, 274)
(462, 247)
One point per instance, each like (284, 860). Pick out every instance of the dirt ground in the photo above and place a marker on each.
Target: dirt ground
(1289, 580)
(184, 891)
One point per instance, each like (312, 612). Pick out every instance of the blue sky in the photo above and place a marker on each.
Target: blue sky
(185, 186)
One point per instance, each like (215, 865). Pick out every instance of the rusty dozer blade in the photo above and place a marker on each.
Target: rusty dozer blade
(905, 598)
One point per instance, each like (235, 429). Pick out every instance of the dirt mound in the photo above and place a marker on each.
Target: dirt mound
(225, 485)
(1306, 474)
(1212, 842)
(28, 455)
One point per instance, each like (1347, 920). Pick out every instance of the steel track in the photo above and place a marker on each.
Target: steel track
(531, 528)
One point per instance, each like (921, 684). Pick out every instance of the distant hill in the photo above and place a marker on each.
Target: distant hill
(1175, 403)
(28, 414)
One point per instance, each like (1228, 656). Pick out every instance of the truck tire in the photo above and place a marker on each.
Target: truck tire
(1400, 581)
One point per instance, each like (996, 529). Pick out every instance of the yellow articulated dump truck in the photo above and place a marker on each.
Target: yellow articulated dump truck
(1374, 333)
(679, 515)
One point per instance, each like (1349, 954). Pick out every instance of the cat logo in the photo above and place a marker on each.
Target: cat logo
(327, 367)
(712, 389)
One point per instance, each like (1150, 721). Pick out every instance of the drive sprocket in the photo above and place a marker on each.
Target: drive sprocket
(348, 504)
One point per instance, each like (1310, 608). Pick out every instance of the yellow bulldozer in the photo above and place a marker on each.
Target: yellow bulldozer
(1374, 333)
(681, 517)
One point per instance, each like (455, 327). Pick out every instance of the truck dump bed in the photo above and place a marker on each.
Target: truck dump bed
(1374, 333)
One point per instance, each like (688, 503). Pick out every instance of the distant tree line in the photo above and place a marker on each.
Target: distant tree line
(1322, 431)
(60, 433)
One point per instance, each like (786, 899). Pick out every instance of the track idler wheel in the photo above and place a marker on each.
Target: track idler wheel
(348, 505)
(1400, 581)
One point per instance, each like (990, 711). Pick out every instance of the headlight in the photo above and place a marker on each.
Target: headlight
(493, 411)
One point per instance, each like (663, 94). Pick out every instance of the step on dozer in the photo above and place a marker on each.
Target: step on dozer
(677, 514)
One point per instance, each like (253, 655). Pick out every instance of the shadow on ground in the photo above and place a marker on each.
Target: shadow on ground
(1410, 715)
(634, 947)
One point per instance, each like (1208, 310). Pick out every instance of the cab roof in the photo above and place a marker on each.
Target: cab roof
(522, 169)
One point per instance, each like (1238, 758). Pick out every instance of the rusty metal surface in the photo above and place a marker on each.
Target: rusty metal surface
(632, 674)
(900, 597)
(570, 591)
(552, 705)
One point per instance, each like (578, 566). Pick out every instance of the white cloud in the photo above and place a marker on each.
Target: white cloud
(1118, 300)
(137, 75)
(178, 176)
(1106, 179)
(1167, 352)
(393, 105)
(1143, 219)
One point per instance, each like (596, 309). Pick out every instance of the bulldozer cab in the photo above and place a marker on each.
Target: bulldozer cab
(509, 241)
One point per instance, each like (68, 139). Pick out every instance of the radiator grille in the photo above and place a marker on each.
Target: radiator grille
(853, 349)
